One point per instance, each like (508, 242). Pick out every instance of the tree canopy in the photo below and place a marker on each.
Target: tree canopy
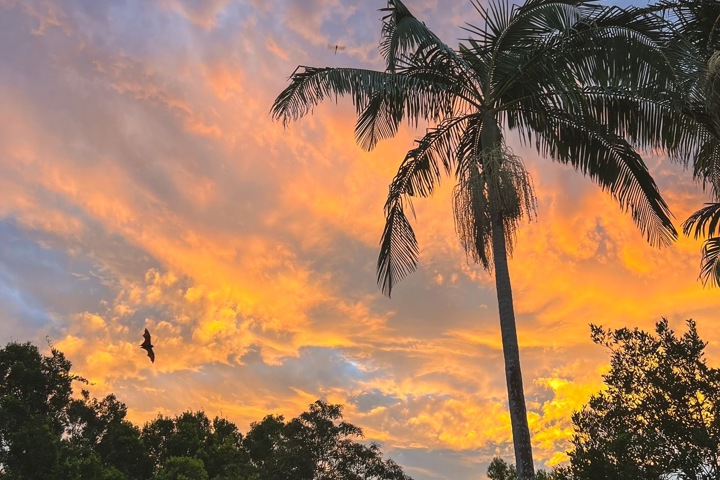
(657, 417)
(499, 469)
(659, 413)
(48, 433)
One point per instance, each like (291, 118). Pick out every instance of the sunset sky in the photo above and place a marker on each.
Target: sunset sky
(144, 185)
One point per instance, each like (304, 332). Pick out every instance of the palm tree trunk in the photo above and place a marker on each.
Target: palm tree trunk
(491, 139)
(511, 353)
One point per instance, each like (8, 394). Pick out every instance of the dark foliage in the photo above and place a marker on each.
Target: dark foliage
(46, 433)
(499, 469)
(659, 415)
(316, 445)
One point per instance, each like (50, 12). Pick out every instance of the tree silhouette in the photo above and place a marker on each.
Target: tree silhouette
(48, 434)
(659, 413)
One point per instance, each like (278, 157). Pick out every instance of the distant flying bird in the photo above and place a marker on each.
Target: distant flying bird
(148, 346)
(336, 47)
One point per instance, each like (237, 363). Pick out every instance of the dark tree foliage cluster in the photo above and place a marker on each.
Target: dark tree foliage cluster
(499, 469)
(47, 433)
(659, 414)
(657, 418)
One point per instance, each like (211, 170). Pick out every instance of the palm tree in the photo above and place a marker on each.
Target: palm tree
(571, 78)
(695, 36)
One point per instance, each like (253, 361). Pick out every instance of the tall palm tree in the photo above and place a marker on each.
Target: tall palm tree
(572, 79)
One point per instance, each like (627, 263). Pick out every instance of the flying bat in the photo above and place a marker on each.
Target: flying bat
(148, 346)
(336, 47)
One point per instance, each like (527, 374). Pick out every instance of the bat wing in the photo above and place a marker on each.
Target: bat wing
(147, 345)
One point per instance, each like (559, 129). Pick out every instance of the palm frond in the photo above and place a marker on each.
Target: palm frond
(648, 120)
(597, 57)
(710, 265)
(533, 72)
(418, 175)
(434, 155)
(454, 92)
(402, 34)
(379, 120)
(398, 248)
(513, 28)
(643, 20)
(712, 88)
(704, 222)
(643, 112)
(617, 56)
(413, 98)
(698, 21)
(494, 20)
(410, 48)
(606, 158)
(477, 58)
(556, 47)
(398, 245)
(448, 71)
(706, 166)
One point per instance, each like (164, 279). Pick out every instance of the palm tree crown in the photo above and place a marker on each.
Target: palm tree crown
(549, 70)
